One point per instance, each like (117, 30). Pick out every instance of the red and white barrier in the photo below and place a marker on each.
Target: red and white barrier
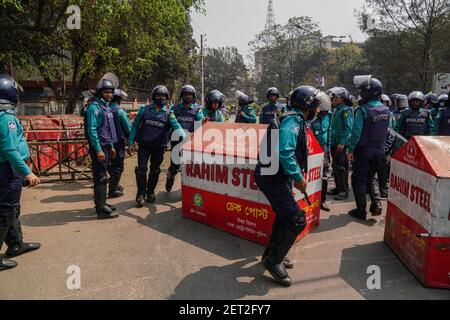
(418, 216)
(225, 196)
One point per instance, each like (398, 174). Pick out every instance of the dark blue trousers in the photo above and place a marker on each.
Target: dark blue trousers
(11, 184)
(366, 165)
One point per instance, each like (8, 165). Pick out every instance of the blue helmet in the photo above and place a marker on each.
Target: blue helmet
(305, 97)
(401, 102)
(105, 84)
(160, 90)
(341, 93)
(214, 96)
(10, 90)
(120, 94)
(443, 100)
(416, 95)
(369, 87)
(273, 92)
(188, 89)
(432, 98)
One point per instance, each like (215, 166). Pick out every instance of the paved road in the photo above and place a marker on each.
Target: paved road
(153, 253)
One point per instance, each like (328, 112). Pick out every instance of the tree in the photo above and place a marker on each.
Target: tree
(414, 28)
(150, 36)
(225, 70)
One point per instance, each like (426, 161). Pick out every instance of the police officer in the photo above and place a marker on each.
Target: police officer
(246, 113)
(442, 101)
(187, 113)
(341, 126)
(401, 104)
(123, 129)
(270, 110)
(293, 156)
(321, 128)
(14, 171)
(433, 104)
(151, 130)
(415, 121)
(101, 134)
(367, 142)
(442, 124)
(213, 109)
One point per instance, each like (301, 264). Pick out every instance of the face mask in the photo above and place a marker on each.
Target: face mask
(159, 102)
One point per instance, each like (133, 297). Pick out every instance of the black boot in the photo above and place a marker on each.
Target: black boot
(141, 181)
(343, 182)
(170, 181)
(286, 237)
(361, 207)
(100, 195)
(114, 191)
(4, 263)
(376, 208)
(337, 182)
(151, 186)
(323, 205)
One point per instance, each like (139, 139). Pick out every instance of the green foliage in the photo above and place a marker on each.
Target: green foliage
(150, 37)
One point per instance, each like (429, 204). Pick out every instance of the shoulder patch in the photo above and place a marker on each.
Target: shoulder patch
(296, 130)
(12, 125)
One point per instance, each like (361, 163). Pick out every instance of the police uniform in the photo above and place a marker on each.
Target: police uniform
(367, 144)
(213, 116)
(101, 133)
(14, 153)
(293, 156)
(442, 124)
(123, 129)
(415, 123)
(249, 115)
(321, 128)
(270, 111)
(187, 117)
(151, 130)
(341, 126)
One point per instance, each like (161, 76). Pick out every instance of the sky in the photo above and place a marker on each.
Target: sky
(236, 22)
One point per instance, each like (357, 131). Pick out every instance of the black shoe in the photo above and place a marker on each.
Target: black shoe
(355, 213)
(333, 192)
(343, 195)
(121, 189)
(325, 207)
(140, 198)
(170, 182)
(384, 195)
(106, 216)
(151, 198)
(288, 264)
(7, 264)
(115, 194)
(18, 250)
(376, 209)
(279, 273)
(113, 208)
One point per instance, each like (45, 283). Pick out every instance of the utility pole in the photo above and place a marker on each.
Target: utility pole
(202, 68)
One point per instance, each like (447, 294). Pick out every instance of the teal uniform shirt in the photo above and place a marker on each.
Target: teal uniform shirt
(358, 126)
(94, 120)
(341, 125)
(321, 129)
(290, 129)
(392, 121)
(173, 123)
(430, 123)
(13, 146)
(123, 118)
(249, 115)
(210, 114)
